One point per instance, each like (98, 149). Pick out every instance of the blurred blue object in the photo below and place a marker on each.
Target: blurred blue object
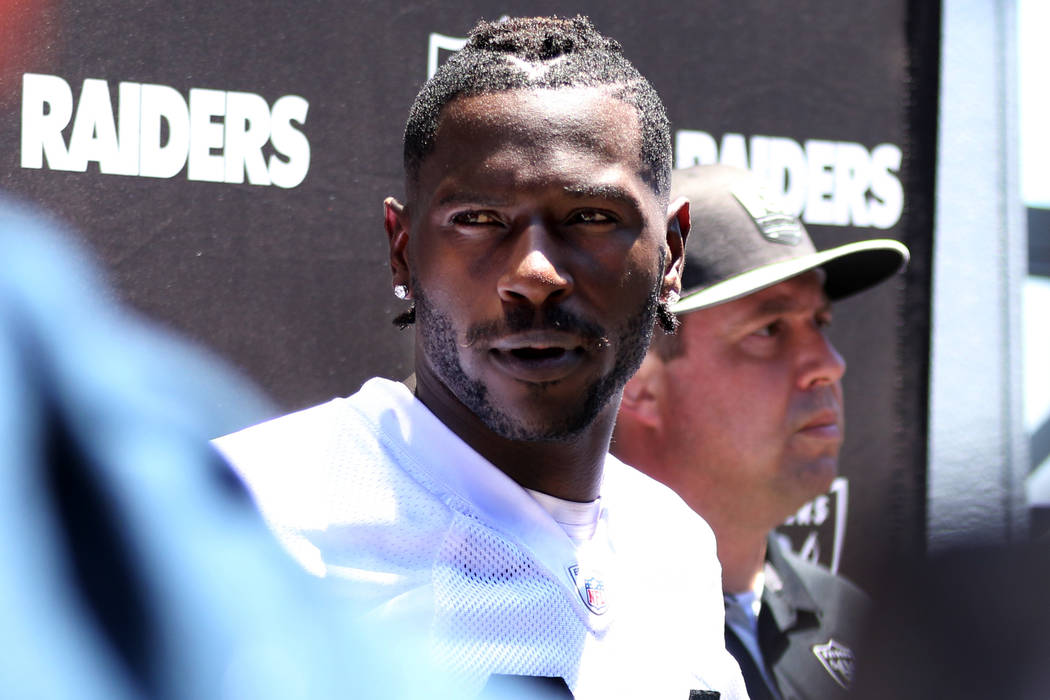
(132, 562)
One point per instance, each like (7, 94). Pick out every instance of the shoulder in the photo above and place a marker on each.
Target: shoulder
(834, 593)
(309, 437)
(369, 441)
(668, 560)
(817, 573)
(631, 489)
(654, 509)
(257, 442)
(329, 479)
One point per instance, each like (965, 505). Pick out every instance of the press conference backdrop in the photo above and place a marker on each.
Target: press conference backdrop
(227, 163)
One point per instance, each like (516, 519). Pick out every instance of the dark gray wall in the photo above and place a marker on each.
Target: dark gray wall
(292, 284)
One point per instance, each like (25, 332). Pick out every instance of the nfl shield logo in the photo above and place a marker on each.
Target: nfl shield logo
(591, 588)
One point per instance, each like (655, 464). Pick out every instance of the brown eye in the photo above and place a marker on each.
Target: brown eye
(475, 218)
(769, 330)
(591, 216)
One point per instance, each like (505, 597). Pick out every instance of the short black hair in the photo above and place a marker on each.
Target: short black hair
(577, 55)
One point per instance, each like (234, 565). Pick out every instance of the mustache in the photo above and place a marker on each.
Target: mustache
(814, 402)
(521, 319)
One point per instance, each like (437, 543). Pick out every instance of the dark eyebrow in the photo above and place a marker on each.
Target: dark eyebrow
(609, 192)
(787, 303)
(586, 191)
(467, 197)
(776, 306)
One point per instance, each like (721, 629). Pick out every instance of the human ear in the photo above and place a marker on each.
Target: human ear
(642, 395)
(677, 232)
(395, 220)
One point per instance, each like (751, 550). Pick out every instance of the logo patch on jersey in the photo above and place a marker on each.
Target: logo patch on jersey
(591, 588)
(837, 660)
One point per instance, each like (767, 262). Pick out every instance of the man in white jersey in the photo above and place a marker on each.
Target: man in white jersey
(741, 414)
(538, 246)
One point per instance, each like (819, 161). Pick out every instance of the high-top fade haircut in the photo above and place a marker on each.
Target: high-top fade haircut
(575, 54)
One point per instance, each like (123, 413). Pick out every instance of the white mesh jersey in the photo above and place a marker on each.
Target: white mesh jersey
(374, 493)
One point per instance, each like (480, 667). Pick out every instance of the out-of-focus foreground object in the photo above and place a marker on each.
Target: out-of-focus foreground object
(133, 563)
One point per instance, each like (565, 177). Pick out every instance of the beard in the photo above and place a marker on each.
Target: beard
(442, 349)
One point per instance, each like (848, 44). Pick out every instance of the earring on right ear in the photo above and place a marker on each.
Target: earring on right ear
(406, 318)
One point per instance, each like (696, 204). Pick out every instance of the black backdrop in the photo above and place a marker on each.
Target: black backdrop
(291, 284)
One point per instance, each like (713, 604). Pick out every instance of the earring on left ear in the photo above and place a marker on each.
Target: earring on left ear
(401, 291)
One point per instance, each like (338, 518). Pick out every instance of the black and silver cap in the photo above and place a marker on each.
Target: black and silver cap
(742, 240)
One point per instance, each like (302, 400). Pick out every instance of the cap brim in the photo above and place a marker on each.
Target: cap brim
(849, 269)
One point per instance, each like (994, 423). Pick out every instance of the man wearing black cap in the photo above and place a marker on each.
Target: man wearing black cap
(741, 413)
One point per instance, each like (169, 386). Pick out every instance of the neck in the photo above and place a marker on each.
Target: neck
(741, 542)
(742, 554)
(570, 469)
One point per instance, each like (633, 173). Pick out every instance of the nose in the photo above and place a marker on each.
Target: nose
(820, 364)
(533, 271)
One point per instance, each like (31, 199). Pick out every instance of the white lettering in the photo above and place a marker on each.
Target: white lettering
(47, 106)
(163, 105)
(94, 136)
(820, 199)
(852, 177)
(825, 182)
(217, 136)
(820, 509)
(289, 142)
(781, 164)
(886, 188)
(694, 148)
(206, 134)
(734, 151)
(247, 131)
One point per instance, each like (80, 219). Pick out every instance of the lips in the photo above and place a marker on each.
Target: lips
(824, 425)
(538, 357)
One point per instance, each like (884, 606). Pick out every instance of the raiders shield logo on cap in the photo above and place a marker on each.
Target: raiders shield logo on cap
(773, 222)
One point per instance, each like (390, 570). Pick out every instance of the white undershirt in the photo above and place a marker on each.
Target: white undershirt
(578, 520)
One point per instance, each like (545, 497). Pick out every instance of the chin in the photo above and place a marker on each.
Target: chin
(538, 425)
(820, 475)
(810, 478)
(546, 414)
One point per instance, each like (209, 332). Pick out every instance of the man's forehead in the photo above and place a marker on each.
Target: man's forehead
(802, 293)
(579, 138)
(584, 111)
